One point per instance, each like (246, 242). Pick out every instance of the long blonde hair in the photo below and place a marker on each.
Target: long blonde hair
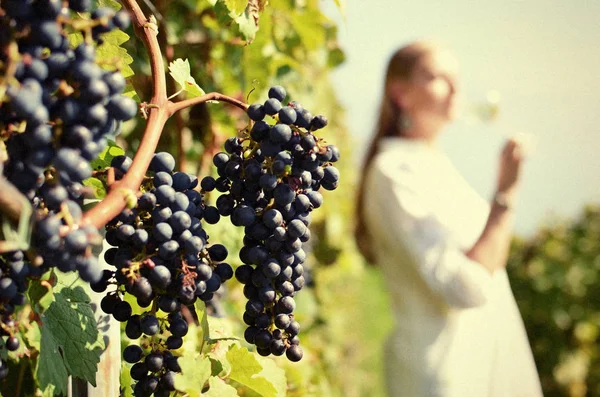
(400, 67)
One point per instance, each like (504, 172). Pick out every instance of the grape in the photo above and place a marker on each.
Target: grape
(256, 112)
(162, 161)
(272, 106)
(168, 381)
(277, 347)
(150, 325)
(154, 362)
(162, 232)
(217, 252)
(254, 308)
(138, 371)
(12, 343)
(122, 311)
(280, 133)
(179, 328)
(161, 276)
(133, 329)
(165, 195)
(318, 122)
(294, 353)
(180, 221)
(132, 354)
(277, 92)
(8, 288)
(80, 5)
(122, 108)
(121, 20)
(174, 342)
(287, 115)
(108, 302)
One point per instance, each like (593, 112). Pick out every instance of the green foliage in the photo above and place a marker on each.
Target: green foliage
(554, 276)
(264, 378)
(103, 160)
(111, 55)
(70, 341)
(180, 71)
(98, 186)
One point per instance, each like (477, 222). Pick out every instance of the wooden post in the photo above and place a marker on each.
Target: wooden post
(109, 368)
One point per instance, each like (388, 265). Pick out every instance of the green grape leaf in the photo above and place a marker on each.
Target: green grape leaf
(33, 336)
(50, 391)
(248, 25)
(110, 3)
(246, 19)
(98, 186)
(195, 371)
(111, 56)
(40, 294)
(51, 370)
(70, 341)
(181, 73)
(261, 376)
(236, 6)
(274, 374)
(203, 316)
(75, 39)
(103, 160)
(125, 381)
(218, 388)
(130, 92)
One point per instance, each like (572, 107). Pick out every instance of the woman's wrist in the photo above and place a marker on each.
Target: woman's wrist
(504, 200)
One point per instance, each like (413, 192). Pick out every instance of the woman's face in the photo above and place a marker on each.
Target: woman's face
(431, 90)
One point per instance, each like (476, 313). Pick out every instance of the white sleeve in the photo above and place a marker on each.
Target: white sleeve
(460, 281)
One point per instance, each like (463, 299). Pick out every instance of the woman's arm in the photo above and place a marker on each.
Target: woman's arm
(491, 249)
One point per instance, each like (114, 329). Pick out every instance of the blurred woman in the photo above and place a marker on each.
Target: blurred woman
(441, 246)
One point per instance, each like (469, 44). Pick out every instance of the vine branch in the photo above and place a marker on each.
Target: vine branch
(173, 107)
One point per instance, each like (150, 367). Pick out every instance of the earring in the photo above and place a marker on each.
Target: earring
(403, 123)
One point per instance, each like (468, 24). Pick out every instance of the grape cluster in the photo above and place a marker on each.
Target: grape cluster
(62, 104)
(58, 107)
(61, 108)
(271, 179)
(162, 258)
(13, 286)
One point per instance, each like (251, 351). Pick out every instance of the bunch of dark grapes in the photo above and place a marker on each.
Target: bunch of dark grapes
(272, 178)
(162, 257)
(13, 286)
(61, 107)
(58, 107)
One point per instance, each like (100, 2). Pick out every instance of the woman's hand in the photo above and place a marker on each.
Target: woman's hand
(510, 166)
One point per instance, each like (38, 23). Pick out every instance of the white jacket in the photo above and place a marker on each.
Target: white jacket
(458, 329)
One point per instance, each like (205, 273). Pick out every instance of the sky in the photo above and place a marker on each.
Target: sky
(541, 56)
